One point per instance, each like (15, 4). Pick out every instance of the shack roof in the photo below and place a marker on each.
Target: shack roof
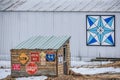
(60, 5)
(43, 42)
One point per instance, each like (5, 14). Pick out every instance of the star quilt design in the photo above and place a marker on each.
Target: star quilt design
(100, 30)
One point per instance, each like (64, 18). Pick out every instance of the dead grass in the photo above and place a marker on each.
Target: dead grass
(87, 77)
(113, 64)
(68, 77)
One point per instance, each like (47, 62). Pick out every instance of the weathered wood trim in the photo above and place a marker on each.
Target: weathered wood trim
(57, 62)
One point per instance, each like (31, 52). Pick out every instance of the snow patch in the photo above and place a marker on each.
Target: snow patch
(5, 64)
(83, 63)
(92, 71)
(33, 78)
(4, 73)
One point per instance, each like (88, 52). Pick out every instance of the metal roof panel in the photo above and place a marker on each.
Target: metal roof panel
(43, 42)
(59, 5)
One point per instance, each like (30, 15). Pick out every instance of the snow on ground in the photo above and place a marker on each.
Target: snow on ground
(4, 73)
(83, 63)
(33, 78)
(5, 64)
(92, 71)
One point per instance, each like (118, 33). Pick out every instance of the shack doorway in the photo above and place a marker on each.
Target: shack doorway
(65, 60)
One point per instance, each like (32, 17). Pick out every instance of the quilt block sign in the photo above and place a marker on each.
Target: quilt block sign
(100, 30)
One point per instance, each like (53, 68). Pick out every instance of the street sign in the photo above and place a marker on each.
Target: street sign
(16, 67)
(23, 58)
(43, 58)
(31, 68)
(50, 57)
(60, 59)
(34, 56)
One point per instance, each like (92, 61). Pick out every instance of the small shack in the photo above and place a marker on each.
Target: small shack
(41, 55)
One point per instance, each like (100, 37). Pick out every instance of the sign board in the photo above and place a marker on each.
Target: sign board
(23, 58)
(60, 59)
(16, 67)
(42, 54)
(43, 58)
(31, 68)
(34, 56)
(50, 57)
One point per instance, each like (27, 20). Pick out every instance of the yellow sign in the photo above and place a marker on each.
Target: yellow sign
(23, 58)
(42, 55)
(42, 58)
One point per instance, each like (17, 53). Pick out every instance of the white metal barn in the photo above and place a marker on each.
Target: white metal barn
(22, 19)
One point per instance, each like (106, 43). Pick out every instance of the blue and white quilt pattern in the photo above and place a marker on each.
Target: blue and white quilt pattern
(101, 30)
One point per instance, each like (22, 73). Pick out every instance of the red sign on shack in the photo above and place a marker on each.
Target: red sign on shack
(31, 68)
(16, 67)
(34, 56)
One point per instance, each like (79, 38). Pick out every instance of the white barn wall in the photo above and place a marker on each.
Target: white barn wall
(19, 26)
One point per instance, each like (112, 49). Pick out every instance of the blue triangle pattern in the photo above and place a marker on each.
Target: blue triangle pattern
(95, 32)
(93, 29)
(90, 21)
(90, 38)
(110, 22)
(107, 20)
(99, 23)
(105, 32)
(107, 29)
(99, 37)
(109, 40)
(93, 40)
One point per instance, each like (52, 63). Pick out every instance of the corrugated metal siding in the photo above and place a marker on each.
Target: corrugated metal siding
(43, 42)
(19, 26)
(60, 5)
